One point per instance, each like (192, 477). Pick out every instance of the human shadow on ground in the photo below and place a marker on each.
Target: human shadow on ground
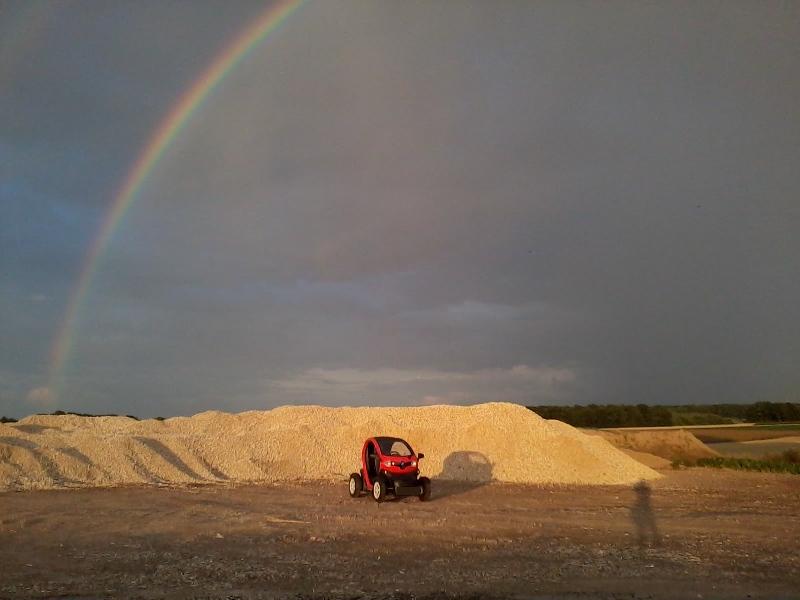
(643, 517)
(462, 471)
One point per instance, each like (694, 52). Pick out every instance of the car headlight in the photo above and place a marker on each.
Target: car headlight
(413, 463)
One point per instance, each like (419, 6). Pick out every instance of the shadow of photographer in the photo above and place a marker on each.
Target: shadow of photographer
(643, 516)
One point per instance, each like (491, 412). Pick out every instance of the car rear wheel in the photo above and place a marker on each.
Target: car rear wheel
(425, 484)
(356, 485)
(379, 489)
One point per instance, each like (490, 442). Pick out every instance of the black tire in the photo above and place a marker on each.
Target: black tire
(356, 485)
(425, 484)
(379, 488)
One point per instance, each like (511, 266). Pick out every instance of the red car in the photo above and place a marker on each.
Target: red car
(388, 464)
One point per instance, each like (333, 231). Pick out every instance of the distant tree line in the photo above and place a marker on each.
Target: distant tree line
(758, 412)
(643, 415)
(57, 413)
(77, 414)
(607, 415)
(780, 412)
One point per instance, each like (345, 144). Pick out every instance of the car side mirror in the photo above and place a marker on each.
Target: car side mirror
(420, 456)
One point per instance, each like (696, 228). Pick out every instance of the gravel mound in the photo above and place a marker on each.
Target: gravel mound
(650, 460)
(496, 441)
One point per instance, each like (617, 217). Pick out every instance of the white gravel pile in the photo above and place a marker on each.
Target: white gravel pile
(496, 441)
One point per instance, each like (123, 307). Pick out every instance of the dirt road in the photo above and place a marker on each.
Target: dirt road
(696, 533)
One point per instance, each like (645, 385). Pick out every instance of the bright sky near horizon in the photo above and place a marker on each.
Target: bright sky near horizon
(401, 203)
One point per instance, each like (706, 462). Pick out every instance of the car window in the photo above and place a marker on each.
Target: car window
(399, 448)
(394, 447)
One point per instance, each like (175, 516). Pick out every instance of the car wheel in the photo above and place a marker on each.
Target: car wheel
(425, 484)
(356, 485)
(379, 489)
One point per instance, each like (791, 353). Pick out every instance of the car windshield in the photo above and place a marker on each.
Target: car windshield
(394, 447)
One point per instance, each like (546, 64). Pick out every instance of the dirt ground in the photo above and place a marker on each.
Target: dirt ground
(697, 533)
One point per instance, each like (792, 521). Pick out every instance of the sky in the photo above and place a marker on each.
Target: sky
(402, 203)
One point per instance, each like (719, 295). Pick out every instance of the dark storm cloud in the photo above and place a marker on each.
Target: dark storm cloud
(410, 203)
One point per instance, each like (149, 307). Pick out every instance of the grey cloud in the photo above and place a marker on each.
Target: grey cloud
(451, 188)
(360, 386)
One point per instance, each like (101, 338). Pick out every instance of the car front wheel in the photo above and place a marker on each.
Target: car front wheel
(356, 485)
(379, 489)
(425, 484)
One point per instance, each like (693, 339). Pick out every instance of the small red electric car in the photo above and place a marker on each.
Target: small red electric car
(388, 464)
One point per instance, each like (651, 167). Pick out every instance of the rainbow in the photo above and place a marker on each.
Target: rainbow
(166, 132)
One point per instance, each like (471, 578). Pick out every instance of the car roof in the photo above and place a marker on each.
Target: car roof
(386, 438)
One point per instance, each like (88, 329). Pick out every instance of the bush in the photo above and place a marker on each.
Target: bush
(783, 463)
(5, 419)
(789, 456)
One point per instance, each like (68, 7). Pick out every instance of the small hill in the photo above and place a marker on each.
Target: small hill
(670, 444)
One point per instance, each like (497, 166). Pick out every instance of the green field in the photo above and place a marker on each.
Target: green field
(715, 435)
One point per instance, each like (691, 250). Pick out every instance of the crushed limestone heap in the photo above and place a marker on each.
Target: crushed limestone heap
(496, 441)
